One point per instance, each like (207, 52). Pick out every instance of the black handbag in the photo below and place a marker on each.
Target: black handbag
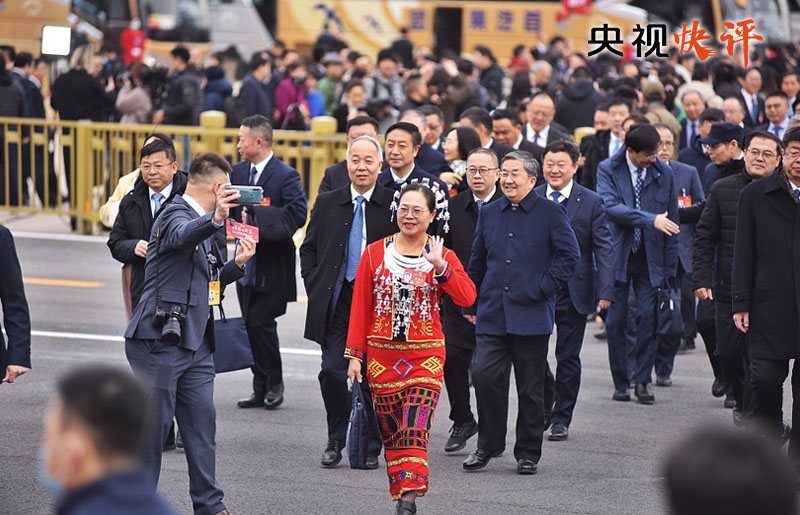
(669, 323)
(232, 344)
(357, 435)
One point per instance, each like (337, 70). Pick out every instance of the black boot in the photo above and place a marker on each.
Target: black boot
(406, 508)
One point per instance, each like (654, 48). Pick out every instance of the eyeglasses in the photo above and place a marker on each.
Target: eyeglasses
(514, 175)
(483, 170)
(667, 143)
(794, 154)
(158, 167)
(652, 157)
(402, 211)
(766, 154)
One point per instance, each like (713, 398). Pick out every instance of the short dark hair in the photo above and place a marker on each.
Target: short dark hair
(361, 120)
(10, 51)
(416, 136)
(507, 114)
(662, 125)
(258, 60)
(777, 93)
(261, 125)
(352, 84)
(23, 59)
(182, 53)
(483, 150)
(161, 137)
(721, 470)
(763, 135)
(478, 116)
(637, 118)
(790, 135)
(744, 71)
(619, 101)
(468, 140)
(111, 404)
(430, 198)
(796, 75)
(563, 145)
(465, 66)
(582, 73)
(601, 107)
(642, 137)
(485, 51)
(2, 62)
(155, 147)
(711, 114)
(430, 109)
(207, 165)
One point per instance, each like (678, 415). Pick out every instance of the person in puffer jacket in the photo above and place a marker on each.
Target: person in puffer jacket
(575, 107)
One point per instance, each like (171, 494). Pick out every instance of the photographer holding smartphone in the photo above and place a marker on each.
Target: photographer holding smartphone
(170, 338)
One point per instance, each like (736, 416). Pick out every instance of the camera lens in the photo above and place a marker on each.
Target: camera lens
(171, 333)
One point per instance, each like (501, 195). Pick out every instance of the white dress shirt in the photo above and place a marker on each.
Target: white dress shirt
(748, 100)
(367, 196)
(259, 168)
(166, 192)
(396, 177)
(612, 145)
(632, 170)
(531, 133)
(518, 142)
(565, 192)
(488, 197)
(784, 125)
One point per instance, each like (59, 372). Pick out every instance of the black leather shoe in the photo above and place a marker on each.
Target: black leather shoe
(254, 401)
(547, 421)
(558, 433)
(663, 381)
(621, 396)
(178, 439)
(479, 459)
(526, 467)
(274, 396)
(632, 378)
(372, 461)
(719, 387)
(787, 432)
(332, 454)
(459, 434)
(686, 346)
(730, 401)
(169, 443)
(737, 418)
(602, 335)
(644, 395)
(406, 508)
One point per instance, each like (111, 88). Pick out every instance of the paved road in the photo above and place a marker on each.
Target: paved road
(268, 462)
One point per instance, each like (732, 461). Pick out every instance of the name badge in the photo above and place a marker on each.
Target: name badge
(685, 201)
(266, 201)
(235, 229)
(213, 293)
(415, 277)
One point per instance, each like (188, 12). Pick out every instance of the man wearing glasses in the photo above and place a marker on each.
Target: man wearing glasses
(459, 333)
(716, 233)
(724, 144)
(524, 252)
(640, 198)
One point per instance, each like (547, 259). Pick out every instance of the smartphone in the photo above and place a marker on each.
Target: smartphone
(251, 195)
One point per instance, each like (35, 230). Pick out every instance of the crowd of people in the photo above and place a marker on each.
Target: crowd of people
(486, 218)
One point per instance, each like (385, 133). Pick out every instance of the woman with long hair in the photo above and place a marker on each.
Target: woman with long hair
(457, 146)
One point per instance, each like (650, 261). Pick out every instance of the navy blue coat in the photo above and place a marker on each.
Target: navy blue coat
(658, 196)
(120, 494)
(695, 157)
(16, 318)
(335, 177)
(185, 243)
(687, 182)
(254, 97)
(385, 178)
(520, 258)
(594, 278)
(428, 158)
(272, 283)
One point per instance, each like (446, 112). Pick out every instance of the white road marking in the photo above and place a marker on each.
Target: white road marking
(49, 236)
(120, 339)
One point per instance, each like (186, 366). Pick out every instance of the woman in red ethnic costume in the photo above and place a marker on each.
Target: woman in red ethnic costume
(395, 327)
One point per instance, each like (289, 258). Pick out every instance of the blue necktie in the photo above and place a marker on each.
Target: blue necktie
(754, 112)
(556, 196)
(480, 203)
(777, 131)
(253, 174)
(354, 243)
(693, 134)
(637, 204)
(157, 198)
(615, 146)
(797, 194)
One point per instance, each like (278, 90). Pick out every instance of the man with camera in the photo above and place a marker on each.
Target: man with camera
(170, 338)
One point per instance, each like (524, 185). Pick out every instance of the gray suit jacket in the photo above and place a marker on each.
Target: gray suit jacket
(184, 246)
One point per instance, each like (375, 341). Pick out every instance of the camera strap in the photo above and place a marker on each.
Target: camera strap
(158, 280)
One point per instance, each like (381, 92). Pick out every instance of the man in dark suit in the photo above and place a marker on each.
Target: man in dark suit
(253, 93)
(435, 117)
(524, 252)
(766, 290)
(750, 80)
(160, 182)
(459, 333)
(427, 158)
(182, 252)
(540, 129)
(776, 107)
(16, 359)
(604, 143)
(592, 286)
(336, 175)
(507, 129)
(269, 283)
(343, 222)
(695, 155)
(693, 106)
(36, 110)
(639, 194)
(402, 143)
(687, 185)
(480, 120)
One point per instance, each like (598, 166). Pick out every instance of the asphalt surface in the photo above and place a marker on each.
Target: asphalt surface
(268, 462)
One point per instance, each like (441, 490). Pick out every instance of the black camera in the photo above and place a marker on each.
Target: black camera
(172, 320)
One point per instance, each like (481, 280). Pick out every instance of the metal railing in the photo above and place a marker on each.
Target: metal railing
(71, 167)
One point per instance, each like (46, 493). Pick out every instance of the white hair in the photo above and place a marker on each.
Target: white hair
(366, 138)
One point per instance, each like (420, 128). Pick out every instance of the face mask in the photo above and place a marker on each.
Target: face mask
(47, 480)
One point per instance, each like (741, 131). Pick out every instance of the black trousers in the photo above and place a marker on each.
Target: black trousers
(491, 374)
(688, 303)
(561, 391)
(732, 355)
(456, 380)
(336, 395)
(267, 366)
(706, 326)
(768, 376)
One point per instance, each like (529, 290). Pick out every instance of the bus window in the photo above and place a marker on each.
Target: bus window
(177, 20)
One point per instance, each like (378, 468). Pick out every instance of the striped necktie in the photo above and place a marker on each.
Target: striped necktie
(637, 204)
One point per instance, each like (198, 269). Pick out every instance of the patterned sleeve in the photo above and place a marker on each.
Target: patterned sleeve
(455, 281)
(361, 309)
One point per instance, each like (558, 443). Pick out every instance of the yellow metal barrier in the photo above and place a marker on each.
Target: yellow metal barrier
(71, 167)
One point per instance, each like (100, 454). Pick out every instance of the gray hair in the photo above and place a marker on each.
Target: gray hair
(366, 138)
(794, 121)
(688, 91)
(416, 113)
(540, 66)
(527, 159)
